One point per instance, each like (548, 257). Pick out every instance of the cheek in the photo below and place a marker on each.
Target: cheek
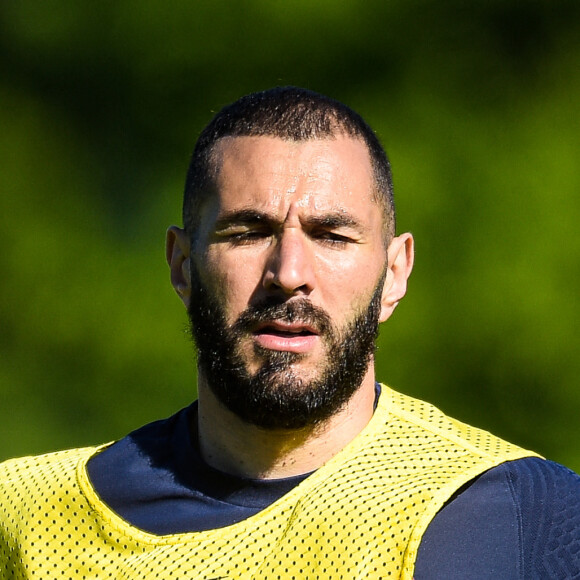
(351, 291)
(349, 281)
(232, 284)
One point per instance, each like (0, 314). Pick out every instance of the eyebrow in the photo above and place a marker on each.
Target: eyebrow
(334, 219)
(242, 217)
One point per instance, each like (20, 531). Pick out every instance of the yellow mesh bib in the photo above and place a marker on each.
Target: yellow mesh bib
(361, 515)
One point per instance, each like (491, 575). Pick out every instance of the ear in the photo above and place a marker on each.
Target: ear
(400, 256)
(177, 250)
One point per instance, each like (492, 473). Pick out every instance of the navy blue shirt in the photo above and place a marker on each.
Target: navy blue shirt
(520, 520)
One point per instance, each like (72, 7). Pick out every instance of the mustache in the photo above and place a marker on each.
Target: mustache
(299, 310)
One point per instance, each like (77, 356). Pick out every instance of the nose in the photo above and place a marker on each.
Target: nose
(290, 268)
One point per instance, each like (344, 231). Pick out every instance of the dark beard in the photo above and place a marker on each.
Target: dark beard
(274, 397)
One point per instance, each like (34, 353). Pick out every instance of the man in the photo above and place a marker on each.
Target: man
(294, 462)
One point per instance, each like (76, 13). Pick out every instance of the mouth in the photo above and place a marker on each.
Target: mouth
(286, 328)
(284, 336)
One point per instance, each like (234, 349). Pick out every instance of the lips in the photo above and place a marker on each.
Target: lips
(285, 328)
(285, 336)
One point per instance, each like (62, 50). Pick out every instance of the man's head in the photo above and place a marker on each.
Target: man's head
(290, 114)
(282, 263)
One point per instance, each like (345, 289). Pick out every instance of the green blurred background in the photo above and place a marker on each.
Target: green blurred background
(477, 104)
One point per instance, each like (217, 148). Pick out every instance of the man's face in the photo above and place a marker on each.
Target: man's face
(288, 267)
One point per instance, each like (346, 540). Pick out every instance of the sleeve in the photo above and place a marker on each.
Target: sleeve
(520, 520)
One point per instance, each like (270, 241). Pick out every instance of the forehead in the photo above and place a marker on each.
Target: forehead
(272, 173)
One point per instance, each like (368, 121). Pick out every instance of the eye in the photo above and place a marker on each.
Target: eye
(332, 238)
(244, 237)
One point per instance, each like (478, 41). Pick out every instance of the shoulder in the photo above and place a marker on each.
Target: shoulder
(532, 475)
(28, 484)
(452, 434)
(548, 497)
(21, 469)
(25, 478)
(520, 519)
(533, 483)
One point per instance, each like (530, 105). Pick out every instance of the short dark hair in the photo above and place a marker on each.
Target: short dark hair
(289, 113)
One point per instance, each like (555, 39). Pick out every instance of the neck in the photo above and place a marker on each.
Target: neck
(233, 446)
